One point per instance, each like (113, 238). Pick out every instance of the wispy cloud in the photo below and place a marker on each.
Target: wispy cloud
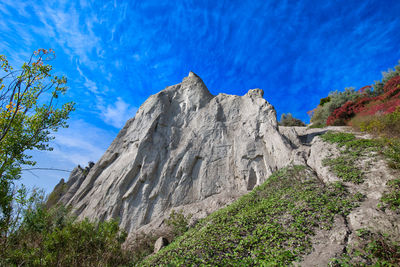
(81, 142)
(89, 84)
(118, 113)
(64, 24)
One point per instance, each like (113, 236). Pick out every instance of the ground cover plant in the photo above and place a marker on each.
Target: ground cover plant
(373, 249)
(392, 197)
(272, 225)
(352, 149)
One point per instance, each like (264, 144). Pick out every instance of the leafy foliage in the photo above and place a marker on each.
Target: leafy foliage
(54, 238)
(340, 107)
(387, 125)
(385, 103)
(289, 120)
(178, 222)
(386, 76)
(29, 113)
(324, 100)
(392, 198)
(270, 226)
(345, 165)
(373, 249)
(337, 99)
(343, 114)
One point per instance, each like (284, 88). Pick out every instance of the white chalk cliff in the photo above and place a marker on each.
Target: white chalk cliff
(191, 151)
(184, 148)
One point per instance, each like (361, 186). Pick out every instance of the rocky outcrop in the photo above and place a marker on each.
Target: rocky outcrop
(191, 151)
(160, 243)
(185, 149)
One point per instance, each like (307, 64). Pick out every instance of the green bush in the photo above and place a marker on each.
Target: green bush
(55, 238)
(387, 125)
(324, 100)
(289, 120)
(178, 222)
(336, 100)
(386, 76)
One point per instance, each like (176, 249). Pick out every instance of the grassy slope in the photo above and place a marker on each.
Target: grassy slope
(271, 225)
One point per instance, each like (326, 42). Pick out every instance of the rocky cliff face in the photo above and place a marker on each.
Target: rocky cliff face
(184, 148)
(189, 150)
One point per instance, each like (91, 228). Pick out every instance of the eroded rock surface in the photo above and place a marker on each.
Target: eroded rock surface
(184, 148)
(191, 151)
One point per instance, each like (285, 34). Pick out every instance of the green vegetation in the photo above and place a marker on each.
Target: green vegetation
(271, 226)
(387, 125)
(386, 76)
(289, 120)
(59, 190)
(367, 105)
(345, 165)
(29, 113)
(373, 249)
(54, 238)
(178, 222)
(328, 104)
(392, 198)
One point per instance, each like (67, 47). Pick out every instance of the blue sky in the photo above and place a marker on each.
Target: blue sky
(118, 53)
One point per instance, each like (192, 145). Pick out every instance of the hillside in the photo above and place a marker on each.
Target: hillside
(304, 215)
(217, 176)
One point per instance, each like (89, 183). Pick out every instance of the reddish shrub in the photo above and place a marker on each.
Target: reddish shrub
(342, 115)
(392, 84)
(362, 89)
(383, 104)
(379, 107)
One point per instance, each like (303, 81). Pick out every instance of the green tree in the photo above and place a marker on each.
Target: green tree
(289, 120)
(328, 104)
(29, 114)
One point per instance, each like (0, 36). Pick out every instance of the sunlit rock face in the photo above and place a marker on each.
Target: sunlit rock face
(184, 148)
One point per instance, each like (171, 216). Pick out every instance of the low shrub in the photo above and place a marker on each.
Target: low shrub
(178, 222)
(342, 115)
(52, 237)
(289, 120)
(387, 125)
(321, 113)
(324, 100)
(386, 76)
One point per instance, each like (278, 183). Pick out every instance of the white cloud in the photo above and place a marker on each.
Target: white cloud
(89, 84)
(63, 24)
(77, 145)
(118, 113)
(81, 142)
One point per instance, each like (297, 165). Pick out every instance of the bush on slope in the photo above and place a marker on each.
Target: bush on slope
(271, 225)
